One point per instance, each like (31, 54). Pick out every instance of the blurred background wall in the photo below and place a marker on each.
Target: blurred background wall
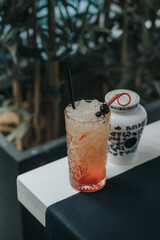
(107, 44)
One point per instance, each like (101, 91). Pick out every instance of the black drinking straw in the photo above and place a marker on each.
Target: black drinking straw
(71, 88)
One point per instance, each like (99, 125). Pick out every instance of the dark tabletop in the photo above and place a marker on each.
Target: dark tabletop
(127, 208)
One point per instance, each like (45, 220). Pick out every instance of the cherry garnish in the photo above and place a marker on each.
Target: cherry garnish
(99, 114)
(104, 108)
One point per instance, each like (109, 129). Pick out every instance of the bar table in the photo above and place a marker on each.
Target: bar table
(47, 185)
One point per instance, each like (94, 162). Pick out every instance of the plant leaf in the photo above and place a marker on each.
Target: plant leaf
(156, 84)
(13, 51)
(19, 132)
(96, 28)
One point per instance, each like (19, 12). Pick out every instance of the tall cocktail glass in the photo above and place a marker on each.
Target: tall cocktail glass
(87, 139)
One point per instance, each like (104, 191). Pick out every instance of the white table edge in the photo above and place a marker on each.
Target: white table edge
(38, 208)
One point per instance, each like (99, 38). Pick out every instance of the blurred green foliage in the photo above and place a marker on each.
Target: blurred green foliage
(91, 45)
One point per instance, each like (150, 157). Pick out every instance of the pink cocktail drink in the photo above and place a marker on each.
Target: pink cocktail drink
(87, 138)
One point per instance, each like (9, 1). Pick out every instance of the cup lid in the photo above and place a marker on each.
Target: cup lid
(135, 99)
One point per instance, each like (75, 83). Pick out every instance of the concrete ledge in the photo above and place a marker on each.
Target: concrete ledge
(12, 163)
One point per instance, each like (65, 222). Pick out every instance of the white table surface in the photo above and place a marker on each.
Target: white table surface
(41, 187)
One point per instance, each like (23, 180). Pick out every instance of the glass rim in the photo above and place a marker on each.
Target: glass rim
(99, 119)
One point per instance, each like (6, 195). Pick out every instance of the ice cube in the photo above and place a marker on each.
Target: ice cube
(70, 109)
(77, 104)
(94, 103)
(84, 105)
